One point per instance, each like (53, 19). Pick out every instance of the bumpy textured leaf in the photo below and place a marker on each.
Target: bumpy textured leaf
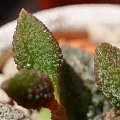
(34, 47)
(29, 88)
(107, 70)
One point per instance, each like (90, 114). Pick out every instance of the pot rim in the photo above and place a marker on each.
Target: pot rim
(71, 20)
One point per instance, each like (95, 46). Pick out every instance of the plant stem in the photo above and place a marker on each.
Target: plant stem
(58, 111)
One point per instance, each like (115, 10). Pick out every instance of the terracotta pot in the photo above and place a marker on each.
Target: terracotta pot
(45, 4)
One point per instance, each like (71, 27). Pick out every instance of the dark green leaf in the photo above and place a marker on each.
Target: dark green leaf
(76, 71)
(29, 88)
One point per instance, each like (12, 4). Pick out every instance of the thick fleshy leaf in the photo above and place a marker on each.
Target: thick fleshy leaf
(107, 71)
(29, 88)
(34, 47)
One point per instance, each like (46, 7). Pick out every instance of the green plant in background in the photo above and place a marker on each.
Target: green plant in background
(62, 83)
(107, 72)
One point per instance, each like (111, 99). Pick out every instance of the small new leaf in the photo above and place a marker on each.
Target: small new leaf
(29, 88)
(107, 71)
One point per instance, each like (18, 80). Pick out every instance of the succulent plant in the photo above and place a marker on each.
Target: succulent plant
(62, 83)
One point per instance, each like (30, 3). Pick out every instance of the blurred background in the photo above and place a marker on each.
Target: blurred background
(9, 9)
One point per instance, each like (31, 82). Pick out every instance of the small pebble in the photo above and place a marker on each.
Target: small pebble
(3, 96)
(9, 68)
